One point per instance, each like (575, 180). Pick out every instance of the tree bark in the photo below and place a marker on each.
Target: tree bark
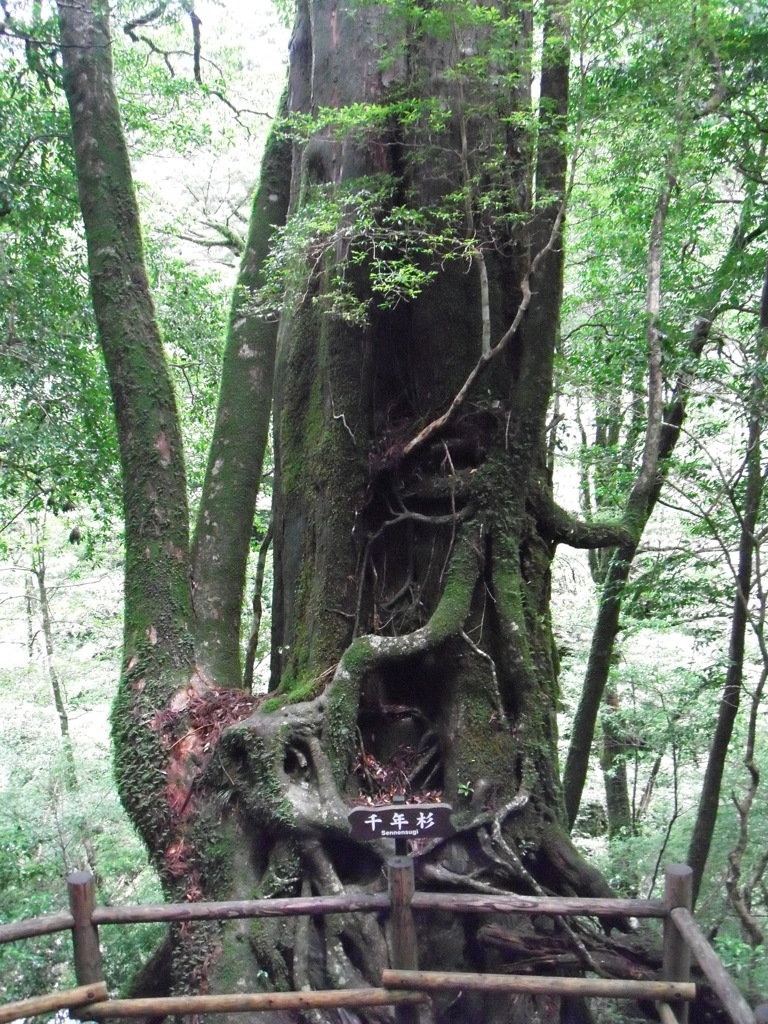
(412, 549)
(614, 765)
(154, 485)
(412, 563)
(233, 476)
(158, 655)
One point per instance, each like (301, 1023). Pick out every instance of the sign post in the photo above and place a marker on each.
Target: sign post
(401, 821)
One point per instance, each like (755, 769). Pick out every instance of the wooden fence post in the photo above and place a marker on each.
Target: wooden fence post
(85, 935)
(405, 954)
(678, 892)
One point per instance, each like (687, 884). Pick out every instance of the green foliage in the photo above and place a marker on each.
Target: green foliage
(46, 828)
(642, 90)
(58, 454)
(57, 442)
(399, 246)
(747, 964)
(57, 436)
(378, 239)
(192, 309)
(676, 106)
(41, 838)
(646, 71)
(286, 10)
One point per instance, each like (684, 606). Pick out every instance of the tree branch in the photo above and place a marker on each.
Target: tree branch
(560, 527)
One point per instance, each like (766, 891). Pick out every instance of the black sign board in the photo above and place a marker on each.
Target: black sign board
(401, 821)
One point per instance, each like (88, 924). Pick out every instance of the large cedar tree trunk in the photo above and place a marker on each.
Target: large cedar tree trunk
(412, 643)
(411, 629)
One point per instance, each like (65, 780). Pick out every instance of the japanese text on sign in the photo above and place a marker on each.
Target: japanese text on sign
(401, 821)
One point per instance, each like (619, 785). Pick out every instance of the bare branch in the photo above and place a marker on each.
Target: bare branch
(130, 26)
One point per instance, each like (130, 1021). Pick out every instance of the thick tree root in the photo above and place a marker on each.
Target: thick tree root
(292, 769)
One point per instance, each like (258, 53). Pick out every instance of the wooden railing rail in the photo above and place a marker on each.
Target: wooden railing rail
(33, 927)
(230, 910)
(607, 988)
(553, 906)
(404, 986)
(71, 998)
(734, 1002)
(666, 1013)
(253, 1002)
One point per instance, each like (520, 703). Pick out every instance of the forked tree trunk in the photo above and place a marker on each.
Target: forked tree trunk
(412, 552)
(169, 711)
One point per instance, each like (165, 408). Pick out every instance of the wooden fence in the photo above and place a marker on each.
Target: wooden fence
(404, 986)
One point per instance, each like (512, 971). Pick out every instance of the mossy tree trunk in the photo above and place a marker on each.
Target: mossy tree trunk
(158, 657)
(180, 679)
(224, 526)
(411, 628)
(414, 520)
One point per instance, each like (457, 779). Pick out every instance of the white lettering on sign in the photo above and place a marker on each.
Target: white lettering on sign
(405, 820)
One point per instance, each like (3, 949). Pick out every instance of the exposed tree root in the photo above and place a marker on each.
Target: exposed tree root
(292, 768)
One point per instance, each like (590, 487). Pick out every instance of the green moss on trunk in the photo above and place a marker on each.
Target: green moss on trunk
(233, 475)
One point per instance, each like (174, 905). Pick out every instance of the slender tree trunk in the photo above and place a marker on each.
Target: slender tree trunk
(614, 765)
(741, 891)
(709, 801)
(225, 519)
(38, 571)
(157, 651)
(661, 434)
(29, 607)
(257, 608)
(640, 504)
(154, 487)
(639, 510)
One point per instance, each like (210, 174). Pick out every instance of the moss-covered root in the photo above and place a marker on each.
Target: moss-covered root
(368, 653)
(358, 933)
(292, 763)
